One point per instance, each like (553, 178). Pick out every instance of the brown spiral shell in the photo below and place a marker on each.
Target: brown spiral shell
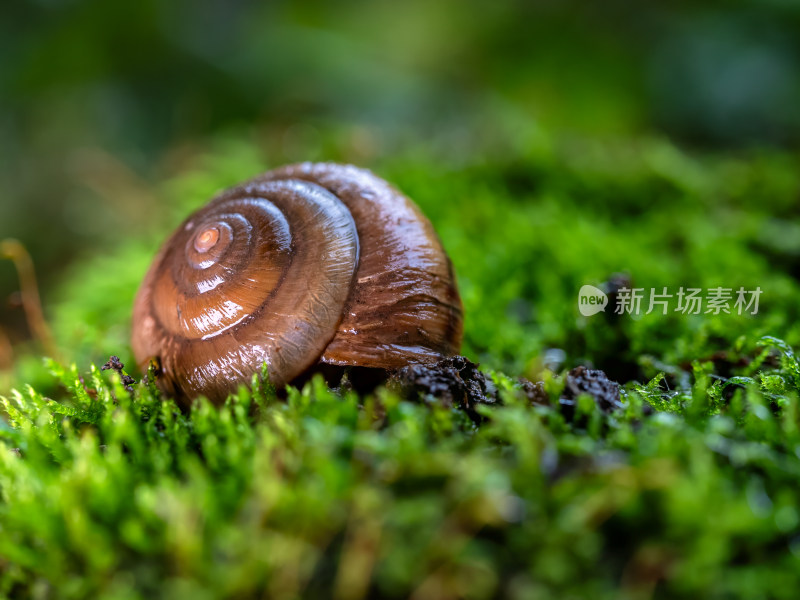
(306, 264)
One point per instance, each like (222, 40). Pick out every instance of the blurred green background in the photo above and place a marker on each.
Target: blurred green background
(100, 102)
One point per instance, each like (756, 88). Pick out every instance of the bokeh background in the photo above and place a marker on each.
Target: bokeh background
(101, 102)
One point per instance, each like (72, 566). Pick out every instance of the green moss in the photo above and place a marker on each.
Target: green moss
(104, 494)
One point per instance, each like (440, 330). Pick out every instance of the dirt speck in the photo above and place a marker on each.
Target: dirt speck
(114, 364)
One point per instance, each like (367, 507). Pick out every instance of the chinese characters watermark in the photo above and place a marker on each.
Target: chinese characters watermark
(687, 301)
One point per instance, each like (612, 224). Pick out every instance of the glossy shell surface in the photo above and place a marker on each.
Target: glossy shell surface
(306, 264)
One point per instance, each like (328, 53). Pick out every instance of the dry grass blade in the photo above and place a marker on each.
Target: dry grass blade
(14, 251)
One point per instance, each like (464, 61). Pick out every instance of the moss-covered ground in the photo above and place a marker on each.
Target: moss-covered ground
(107, 494)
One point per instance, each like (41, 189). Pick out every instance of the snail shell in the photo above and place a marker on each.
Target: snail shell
(306, 264)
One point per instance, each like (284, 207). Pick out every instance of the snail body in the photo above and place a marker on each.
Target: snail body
(308, 264)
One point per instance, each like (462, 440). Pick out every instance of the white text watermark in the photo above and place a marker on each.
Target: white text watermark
(687, 301)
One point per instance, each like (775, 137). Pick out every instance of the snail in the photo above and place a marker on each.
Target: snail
(304, 266)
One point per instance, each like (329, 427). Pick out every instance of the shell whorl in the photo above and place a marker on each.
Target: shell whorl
(308, 263)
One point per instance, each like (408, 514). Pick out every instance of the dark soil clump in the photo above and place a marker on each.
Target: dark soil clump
(456, 381)
(594, 382)
(579, 380)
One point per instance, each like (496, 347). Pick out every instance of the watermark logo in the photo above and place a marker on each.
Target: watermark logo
(591, 300)
(687, 301)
